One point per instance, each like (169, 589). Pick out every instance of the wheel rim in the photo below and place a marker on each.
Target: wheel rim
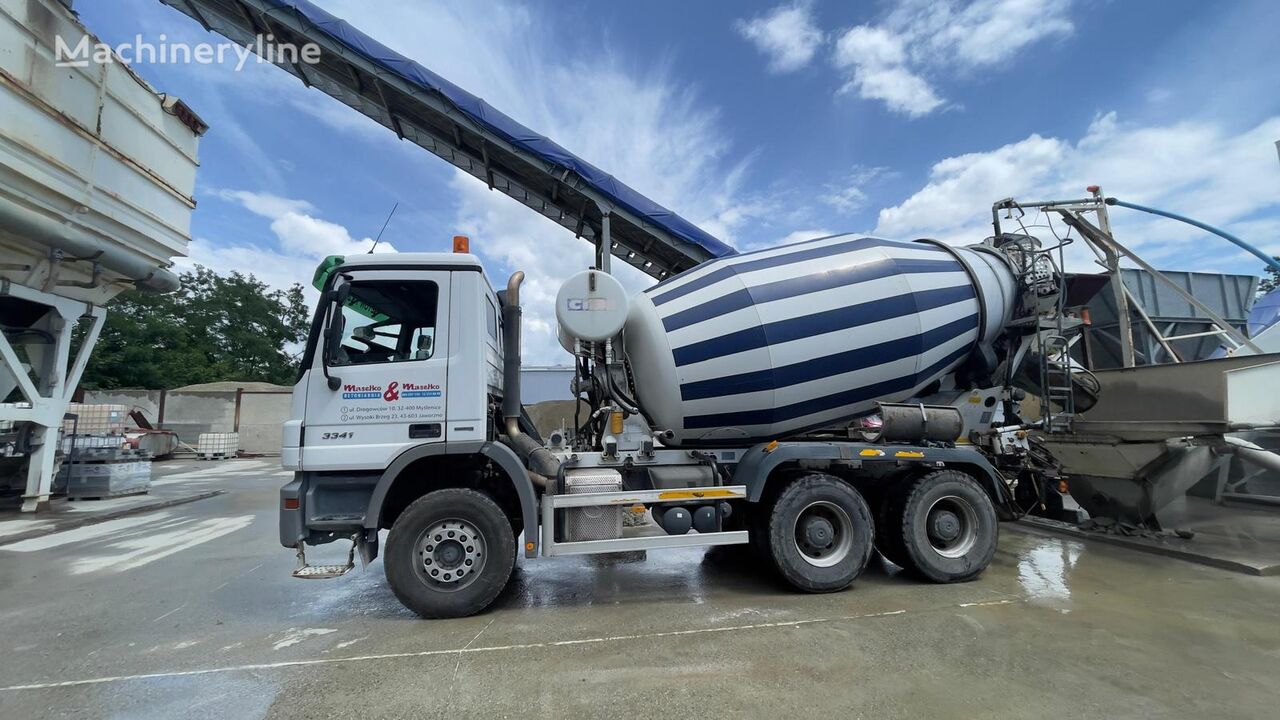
(450, 555)
(951, 523)
(823, 534)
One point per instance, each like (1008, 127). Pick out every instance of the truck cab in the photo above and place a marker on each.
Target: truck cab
(401, 372)
(413, 356)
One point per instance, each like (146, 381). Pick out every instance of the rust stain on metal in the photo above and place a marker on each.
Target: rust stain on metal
(75, 125)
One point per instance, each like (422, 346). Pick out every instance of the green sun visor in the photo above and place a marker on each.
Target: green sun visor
(321, 278)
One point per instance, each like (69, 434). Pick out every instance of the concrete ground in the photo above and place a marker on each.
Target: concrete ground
(175, 486)
(190, 612)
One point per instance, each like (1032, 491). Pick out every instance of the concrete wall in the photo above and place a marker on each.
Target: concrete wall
(262, 416)
(192, 413)
(543, 383)
(189, 413)
(147, 400)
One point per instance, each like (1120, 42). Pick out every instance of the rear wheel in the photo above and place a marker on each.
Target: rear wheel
(450, 553)
(819, 533)
(942, 527)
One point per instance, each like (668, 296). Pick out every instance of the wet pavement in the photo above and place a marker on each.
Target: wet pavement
(190, 612)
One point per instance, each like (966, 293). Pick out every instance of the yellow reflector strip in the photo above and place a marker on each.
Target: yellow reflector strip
(696, 494)
(871, 453)
(909, 454)
(773, 445)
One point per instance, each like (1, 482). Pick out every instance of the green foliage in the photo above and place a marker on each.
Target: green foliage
(1271, 282)
(216, 327)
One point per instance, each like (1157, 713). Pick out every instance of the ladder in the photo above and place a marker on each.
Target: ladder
(1055, 381)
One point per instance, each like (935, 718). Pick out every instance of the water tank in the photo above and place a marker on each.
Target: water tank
(764, 345)
(590, 306)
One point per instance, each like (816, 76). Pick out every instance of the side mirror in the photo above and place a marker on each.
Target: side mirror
(340, 294)
(333, 333)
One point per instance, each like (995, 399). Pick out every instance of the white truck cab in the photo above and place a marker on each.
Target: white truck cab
(417, 357)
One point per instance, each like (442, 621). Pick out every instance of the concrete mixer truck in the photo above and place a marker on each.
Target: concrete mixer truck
(723, 406)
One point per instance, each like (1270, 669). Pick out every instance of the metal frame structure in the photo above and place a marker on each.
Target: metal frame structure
(1109, 252)
(48, 380)
(551, 503)
(435, 123)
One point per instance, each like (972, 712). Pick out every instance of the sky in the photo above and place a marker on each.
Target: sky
(763, 123)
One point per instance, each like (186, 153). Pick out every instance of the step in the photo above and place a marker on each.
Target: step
(322, 572)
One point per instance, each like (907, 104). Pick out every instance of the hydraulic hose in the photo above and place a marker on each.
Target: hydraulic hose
(1270, 261)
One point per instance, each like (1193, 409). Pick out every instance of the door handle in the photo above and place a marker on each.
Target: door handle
(424, 431)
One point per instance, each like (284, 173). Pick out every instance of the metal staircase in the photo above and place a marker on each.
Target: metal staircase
(1055, 379)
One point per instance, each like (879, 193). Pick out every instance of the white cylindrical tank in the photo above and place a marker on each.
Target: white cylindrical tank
(590, 306)
(764, 345)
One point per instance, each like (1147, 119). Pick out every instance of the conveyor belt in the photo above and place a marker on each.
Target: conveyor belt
(420, 106)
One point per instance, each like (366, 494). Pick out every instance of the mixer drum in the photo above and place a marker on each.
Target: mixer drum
(764, 345)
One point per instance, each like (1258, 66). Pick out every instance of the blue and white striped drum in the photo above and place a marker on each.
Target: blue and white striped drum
(768, 344)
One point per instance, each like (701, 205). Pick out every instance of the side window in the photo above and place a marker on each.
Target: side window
(388, 321)
(491, 320)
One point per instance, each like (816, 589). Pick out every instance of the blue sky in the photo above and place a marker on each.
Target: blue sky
(761, 122)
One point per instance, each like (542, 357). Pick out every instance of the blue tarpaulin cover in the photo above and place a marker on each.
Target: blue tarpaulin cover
(502, 125)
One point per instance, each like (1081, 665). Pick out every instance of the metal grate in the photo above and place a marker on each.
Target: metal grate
(595, 522)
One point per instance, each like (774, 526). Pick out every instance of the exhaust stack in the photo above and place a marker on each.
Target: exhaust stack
(540, 462)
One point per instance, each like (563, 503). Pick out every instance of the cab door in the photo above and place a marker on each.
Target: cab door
(378, 386)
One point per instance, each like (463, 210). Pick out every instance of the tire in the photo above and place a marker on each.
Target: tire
(820, 533)
(942, 527)
(478, 557)
(888, 524)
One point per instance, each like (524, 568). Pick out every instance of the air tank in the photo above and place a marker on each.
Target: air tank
(765, 345)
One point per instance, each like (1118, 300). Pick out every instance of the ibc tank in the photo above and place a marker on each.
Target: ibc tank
(764, 345)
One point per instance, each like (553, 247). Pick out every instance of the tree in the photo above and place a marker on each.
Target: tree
(1271, 282)
(215, 327)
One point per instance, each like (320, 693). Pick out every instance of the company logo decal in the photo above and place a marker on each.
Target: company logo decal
(588, 304)
(414, 390)
(393, 392)
(361, 392)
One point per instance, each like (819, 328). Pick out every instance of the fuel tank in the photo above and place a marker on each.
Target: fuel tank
(769, 344)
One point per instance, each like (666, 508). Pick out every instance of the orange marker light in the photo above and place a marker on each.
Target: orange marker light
(291, 503)
(461, 244)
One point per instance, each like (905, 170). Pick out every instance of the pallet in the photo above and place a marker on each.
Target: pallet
(216, 456)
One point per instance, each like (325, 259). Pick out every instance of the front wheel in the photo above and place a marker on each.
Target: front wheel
(450, 553)
(820, 533)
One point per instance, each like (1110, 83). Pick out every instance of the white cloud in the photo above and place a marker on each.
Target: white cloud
(300, 242)
(663, 141)
(891, 60)
(796, 236)
(875, 58)
(1199, 169)
(980, 33)
(849, 195)
(786, 35)
(264, 204)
